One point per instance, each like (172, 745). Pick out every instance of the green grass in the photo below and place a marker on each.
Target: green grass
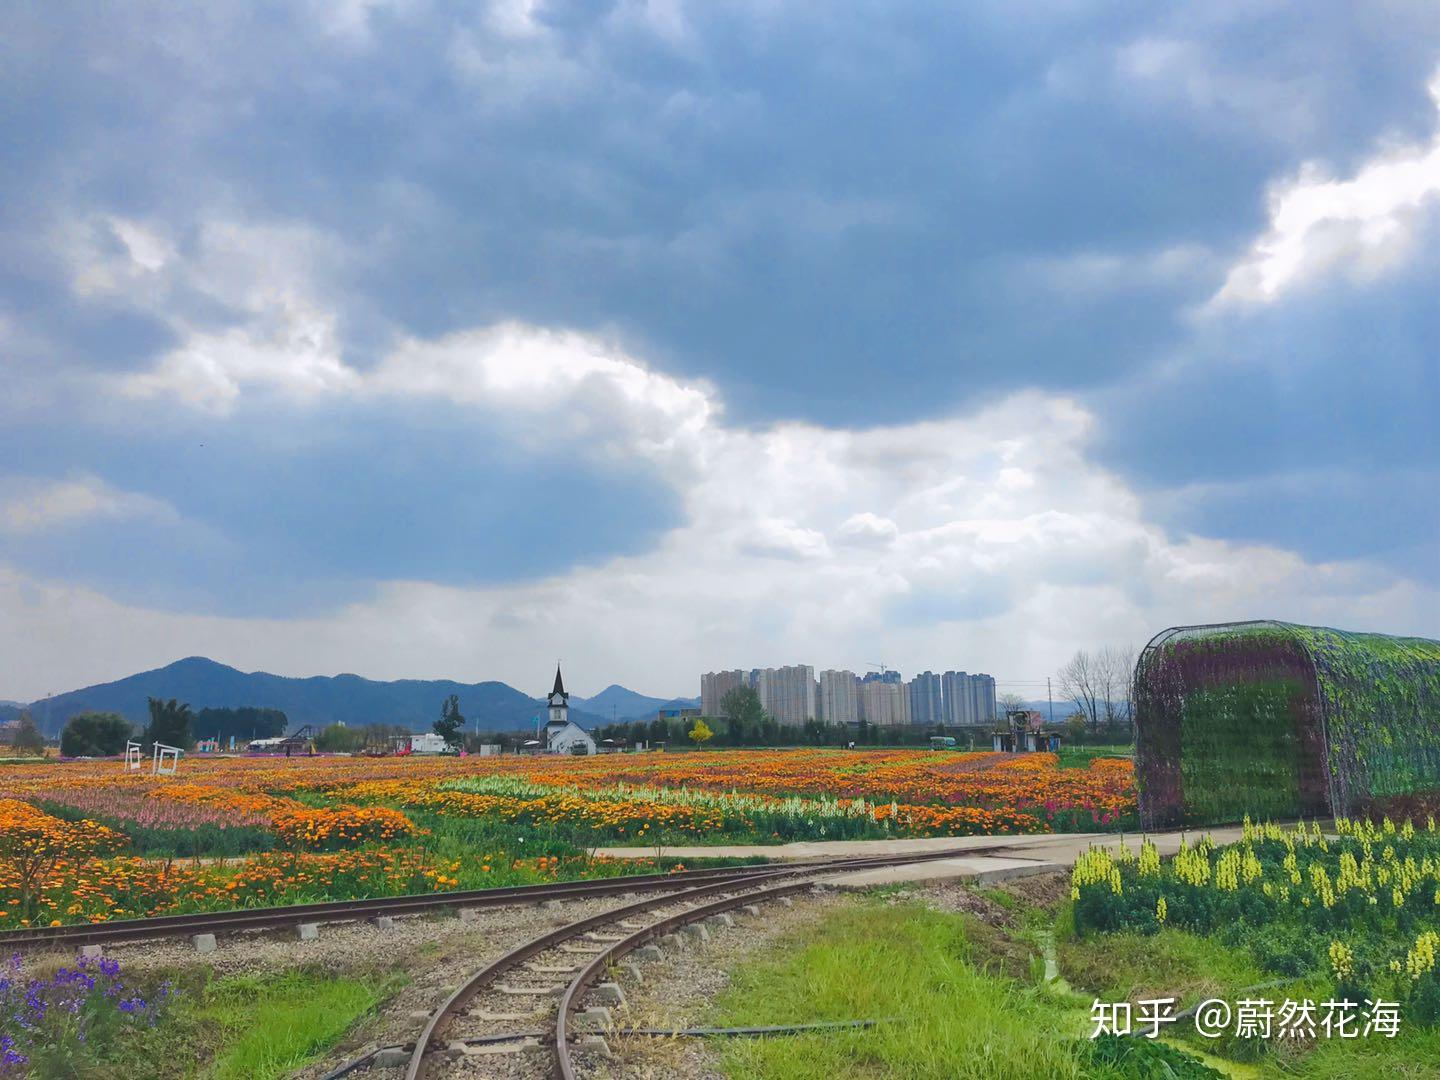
(1191, 967)
(1004, 897)
(1079, 757)
(274, 1026)
(1413, 1055)
(1174, 963)
(252, 1027)
(905, 961)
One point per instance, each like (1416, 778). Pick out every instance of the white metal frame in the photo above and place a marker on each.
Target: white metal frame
(161, 755)
(133, 759)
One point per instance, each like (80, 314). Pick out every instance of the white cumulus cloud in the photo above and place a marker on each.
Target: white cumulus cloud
(32, 506)
(1364, 224)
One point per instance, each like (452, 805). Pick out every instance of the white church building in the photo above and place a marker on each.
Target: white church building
(563, 735)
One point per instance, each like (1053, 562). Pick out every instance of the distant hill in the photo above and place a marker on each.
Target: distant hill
(318, 700)
(9, 710)
(627, 704)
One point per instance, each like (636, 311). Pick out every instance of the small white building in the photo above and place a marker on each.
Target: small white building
(563, 735)
(428, 742)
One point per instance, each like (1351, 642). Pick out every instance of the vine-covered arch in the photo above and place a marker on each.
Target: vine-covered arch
(1274, 719)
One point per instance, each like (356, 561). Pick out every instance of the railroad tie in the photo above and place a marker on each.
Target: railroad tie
(548, 990)
(506, 1017)
(519, 1046)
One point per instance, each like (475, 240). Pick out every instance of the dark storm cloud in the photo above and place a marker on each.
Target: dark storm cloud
(856, 216)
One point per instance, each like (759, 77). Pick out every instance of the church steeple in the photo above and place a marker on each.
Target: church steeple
(559, 701)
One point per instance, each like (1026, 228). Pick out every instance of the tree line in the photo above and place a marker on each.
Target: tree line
(171, 722)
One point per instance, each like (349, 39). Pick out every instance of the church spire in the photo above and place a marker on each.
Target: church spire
(559, 690)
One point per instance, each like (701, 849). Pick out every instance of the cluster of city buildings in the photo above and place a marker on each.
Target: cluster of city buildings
(793, 695)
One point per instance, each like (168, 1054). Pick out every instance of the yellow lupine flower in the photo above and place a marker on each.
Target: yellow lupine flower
(1421, 959)
(1342, 960)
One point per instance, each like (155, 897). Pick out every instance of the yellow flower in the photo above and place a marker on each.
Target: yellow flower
(1342, 960)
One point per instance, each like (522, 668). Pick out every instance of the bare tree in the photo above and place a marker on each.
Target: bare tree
(1008, 703)
(1117, 665)
(1081, 681)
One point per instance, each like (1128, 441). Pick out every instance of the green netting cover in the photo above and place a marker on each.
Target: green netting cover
(1277, 720)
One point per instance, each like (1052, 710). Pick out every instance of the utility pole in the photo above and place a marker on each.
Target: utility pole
(1050, 699)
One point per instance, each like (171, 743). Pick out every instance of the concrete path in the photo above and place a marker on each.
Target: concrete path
(995, 857)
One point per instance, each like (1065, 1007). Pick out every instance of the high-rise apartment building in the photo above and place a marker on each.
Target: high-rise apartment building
(969, 699)
(886, 676)
(792, 695)
(787, 693)
(839, 697)
(926, 699)
(885, 704)
(982, 698)
(956, 694)
(714, 685)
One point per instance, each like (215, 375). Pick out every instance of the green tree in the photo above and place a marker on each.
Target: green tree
(95, 734)
(170, 724)
(27, 737)
(700, 734)
(741, 705)
(451, 723)
(245, 723)
(339, 739)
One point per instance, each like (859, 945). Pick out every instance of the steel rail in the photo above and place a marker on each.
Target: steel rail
(342, 910)
(477, 982)
(581, 982)
(472, 986)
(261, 918)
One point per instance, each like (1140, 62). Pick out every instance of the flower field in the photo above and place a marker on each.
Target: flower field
(89, 841)
(1358, 909)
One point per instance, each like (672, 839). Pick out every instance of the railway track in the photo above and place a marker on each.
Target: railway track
(265, 918)
(268, 918)
(579, 951)
(565, 965)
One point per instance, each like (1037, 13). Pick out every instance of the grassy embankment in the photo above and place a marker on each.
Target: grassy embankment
(1130, 966)
(959, 999)
(970, 998)
(239, 1027)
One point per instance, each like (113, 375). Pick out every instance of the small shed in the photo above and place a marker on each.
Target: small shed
(1278, 720)
(427, 742)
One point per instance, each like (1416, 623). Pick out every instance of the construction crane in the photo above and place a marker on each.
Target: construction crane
(880, 665)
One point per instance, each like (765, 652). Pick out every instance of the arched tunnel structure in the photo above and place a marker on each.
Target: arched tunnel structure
(1277, 720)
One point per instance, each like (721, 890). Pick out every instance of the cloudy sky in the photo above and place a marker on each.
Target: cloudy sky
(368, 336)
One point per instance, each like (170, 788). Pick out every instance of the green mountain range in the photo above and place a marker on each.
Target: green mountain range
(318, 700)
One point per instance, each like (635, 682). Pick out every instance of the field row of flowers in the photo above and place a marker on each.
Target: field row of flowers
(1034, 782)
(623, 810)
(73, 836)
(53, 871)
(1362, 905)
(154, 809)
(918, 793)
